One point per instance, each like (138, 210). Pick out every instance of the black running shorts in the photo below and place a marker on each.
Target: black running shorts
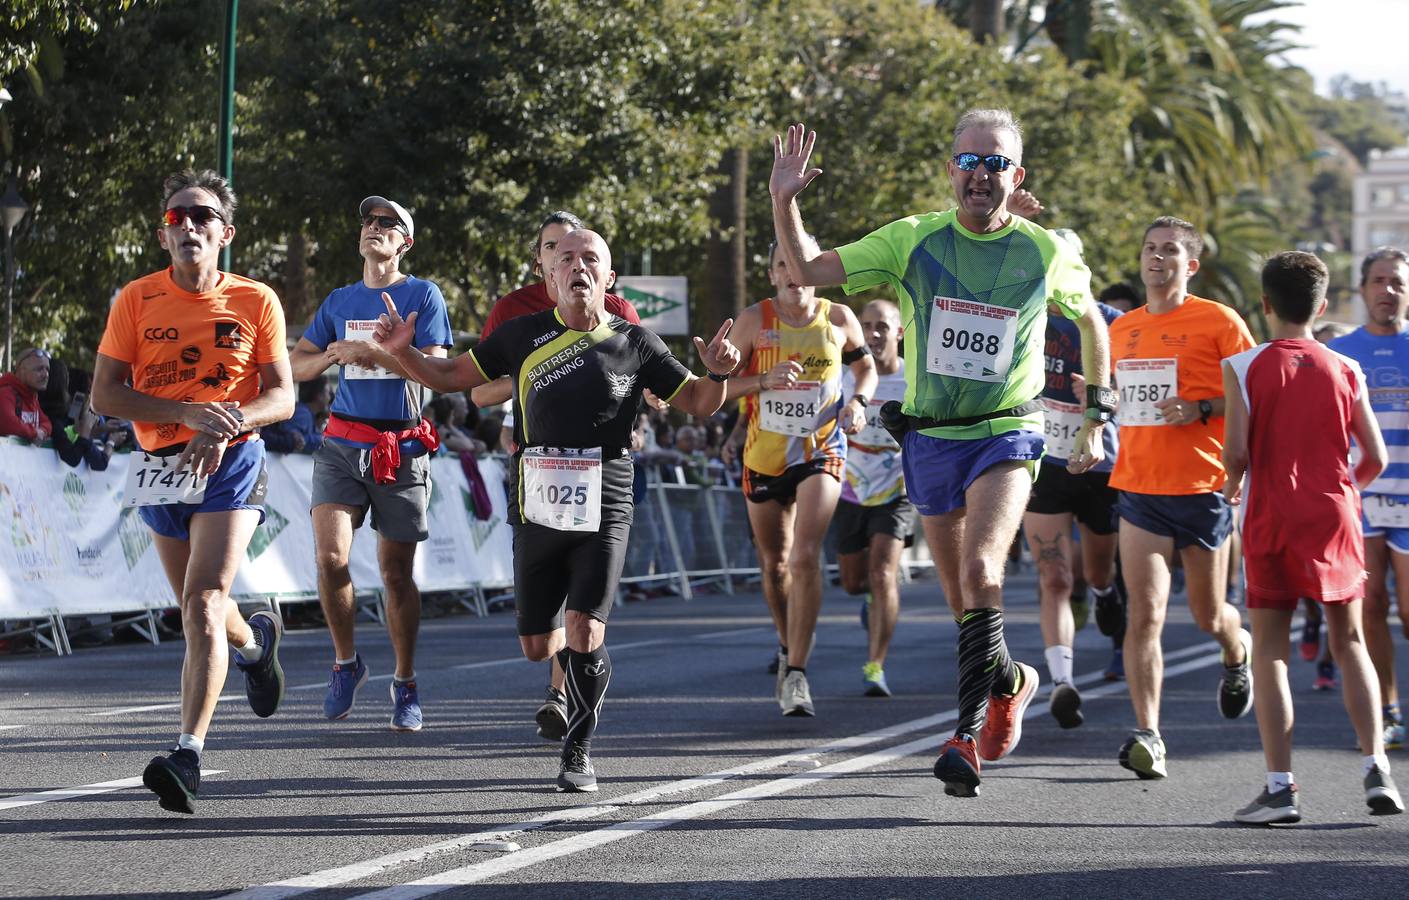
(855, 524)
(1088, 496)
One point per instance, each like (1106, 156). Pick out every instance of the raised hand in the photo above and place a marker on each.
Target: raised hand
(1024, 203)
(719, 356)
(394, 333)
(790, 171)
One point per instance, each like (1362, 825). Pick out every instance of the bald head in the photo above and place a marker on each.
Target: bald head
(581, 271)
(880, 325)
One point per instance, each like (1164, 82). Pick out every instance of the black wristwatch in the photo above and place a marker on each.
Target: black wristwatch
(1100, 402)
(719, 378)
(239, 416)
(865, 401)
(1205, 410)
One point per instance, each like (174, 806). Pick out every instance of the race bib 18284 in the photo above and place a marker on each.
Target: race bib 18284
(972, 340)
(791, 410)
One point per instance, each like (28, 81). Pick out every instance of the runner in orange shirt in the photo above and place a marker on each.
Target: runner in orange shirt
(1168, 356)
(204, 351)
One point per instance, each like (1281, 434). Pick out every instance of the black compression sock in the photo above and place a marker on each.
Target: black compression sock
(587, 677)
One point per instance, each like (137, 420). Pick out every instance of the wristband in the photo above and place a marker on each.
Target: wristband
(719, 378)
(865, 401)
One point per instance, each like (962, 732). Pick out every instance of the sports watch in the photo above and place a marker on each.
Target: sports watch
(1100, 402)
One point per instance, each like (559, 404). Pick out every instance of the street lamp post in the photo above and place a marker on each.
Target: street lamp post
(12, 210)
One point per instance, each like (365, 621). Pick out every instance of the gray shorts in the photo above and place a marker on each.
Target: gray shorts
(343, 474)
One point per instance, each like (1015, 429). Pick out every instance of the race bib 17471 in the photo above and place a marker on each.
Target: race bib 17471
(154, 481)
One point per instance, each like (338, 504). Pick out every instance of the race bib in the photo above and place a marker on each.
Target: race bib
(1060, 423)
(362, 330)
(1142, 384)
(1384, 511)
(154, 481)
(791, 410)
(972, 340)
(562, 489)
(873, 434)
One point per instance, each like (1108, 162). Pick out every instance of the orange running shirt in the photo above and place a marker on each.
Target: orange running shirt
(193, 347)
(1198, 336)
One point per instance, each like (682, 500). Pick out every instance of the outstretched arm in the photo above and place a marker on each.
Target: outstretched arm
(790, 175)
(394, 335)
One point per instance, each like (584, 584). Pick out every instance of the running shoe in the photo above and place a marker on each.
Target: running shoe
(1143, 754)
(175, 779)
(1116, 670)
(1325, 676)
(1310, 644)
(406, 706)
(866, 613)
(1110, 614)
(1080, 608)
(873, 680)
(1235, 687)
(1394, 735)
(576, 775)
(773, 662)
(1065, 704)
(1380, 793)
(797, 696)
(264, 678)
(958, 766)
(1004, 726)
(552, 716)
(1271, 809)
(343, 686)
(780, 669)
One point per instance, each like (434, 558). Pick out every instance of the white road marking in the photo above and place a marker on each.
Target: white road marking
(9, 727)
(333, 877)
(87, 790)
(492, 868)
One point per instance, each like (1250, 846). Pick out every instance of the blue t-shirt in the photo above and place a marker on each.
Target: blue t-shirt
(349, 313)
(1385, 362)
(1063, 359)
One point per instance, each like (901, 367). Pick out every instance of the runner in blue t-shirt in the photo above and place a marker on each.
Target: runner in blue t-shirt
(1381, 347)
(375, 452)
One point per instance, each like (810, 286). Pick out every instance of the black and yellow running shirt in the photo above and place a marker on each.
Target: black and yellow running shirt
(578, 389)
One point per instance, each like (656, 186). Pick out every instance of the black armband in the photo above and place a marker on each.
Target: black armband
(850, 356)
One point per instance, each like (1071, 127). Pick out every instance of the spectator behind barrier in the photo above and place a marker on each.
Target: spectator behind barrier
(20, 413)
(303, 431)
(449, 412)
(77, 431)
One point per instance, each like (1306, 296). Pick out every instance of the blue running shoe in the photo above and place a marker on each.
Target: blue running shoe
(1116, 670)
(343, 687)
(406, 703)
(264, 678)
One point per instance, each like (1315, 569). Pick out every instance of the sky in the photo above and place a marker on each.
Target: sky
(1366, 39)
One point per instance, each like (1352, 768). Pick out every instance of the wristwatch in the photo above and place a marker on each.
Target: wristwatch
(239, 416)
(1100, 403)
(865, 401)
(1205, 410)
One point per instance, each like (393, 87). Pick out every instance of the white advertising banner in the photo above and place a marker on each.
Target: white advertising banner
(662, 301)
(69, 548)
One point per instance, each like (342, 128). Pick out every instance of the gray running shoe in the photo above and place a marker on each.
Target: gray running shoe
(576, 775)
(1143, 754)
(1381, 795)
(552, 716)
(782, 673)
(1235, 687)
(797, 697)
(1065, 704)
(1271, 809)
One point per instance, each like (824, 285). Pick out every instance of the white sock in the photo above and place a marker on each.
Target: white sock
(1059, 663)
(1277, 781)
(1107, 591)
(192, 743)
(1374, 759)
(251, 652)
(407, 680)
(346, 662)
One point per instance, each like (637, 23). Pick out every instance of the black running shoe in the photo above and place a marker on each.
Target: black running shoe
(1110, 612)
(175, 779)
(552, 716)
(1235, 687)
(1065, 704)
(1381, 795)
(576, 774)
(264, 679)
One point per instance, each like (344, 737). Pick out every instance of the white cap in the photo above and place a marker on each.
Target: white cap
(376, 200)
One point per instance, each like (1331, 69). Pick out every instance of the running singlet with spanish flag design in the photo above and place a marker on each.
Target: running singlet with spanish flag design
(974, 308)
(1174, 354)
(193, 347)
(796, 425)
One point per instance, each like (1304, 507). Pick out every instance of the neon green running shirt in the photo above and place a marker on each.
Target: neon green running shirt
(974, 308)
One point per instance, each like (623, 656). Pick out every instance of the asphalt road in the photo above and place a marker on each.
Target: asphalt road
(706, 790)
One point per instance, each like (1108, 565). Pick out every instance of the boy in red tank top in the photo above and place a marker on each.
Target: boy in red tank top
(1292, 408)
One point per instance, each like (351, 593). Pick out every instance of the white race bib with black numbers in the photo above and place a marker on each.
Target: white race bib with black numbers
(1060, 423)
(972, 340)
(362, 330)
(1143, 383)
(791, 410)
(154, 481)
(1385, 511)
(562, 489)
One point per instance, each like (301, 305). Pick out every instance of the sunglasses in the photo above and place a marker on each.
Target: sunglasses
(993, 162)
(199, 215)
(33, 351)
(385, 223)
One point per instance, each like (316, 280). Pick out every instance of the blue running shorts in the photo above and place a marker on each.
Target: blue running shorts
(239, 483)
(938, 471)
